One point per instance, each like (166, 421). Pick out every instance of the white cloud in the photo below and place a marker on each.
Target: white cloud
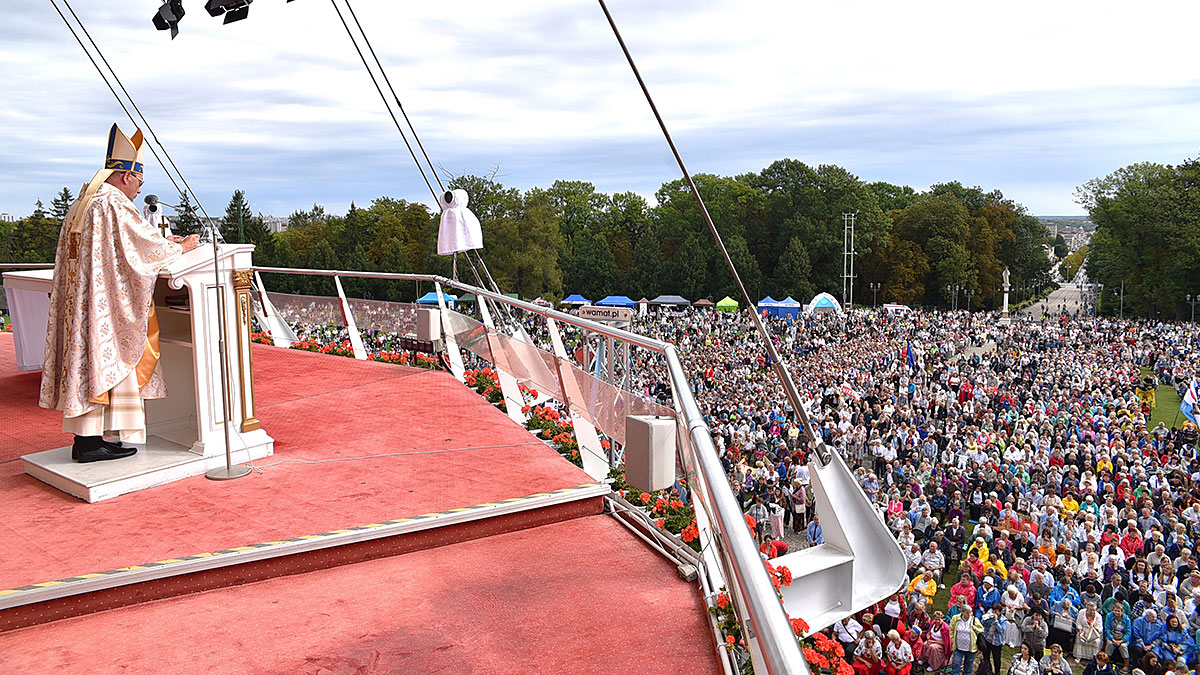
(1031, 98)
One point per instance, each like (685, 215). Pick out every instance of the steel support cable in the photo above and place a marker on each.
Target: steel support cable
(383, 97)
(484, 280)
(780, 648)
(144, 121)
(399, 105)
(776, 361)
(108, 84)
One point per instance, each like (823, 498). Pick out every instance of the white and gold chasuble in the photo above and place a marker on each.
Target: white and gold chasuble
(101, 335)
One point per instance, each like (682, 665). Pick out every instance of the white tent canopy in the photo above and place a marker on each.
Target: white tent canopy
(823, 303)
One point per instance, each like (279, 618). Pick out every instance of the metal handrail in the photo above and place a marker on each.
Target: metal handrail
(617, 333)
(746, 575)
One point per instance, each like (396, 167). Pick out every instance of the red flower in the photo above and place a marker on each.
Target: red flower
(800, 627)
(691, 532)
(729, 639)
(645, 497)
(723, 602)
(785, 574)
(605, 444)
(660, 522)
(815, 657)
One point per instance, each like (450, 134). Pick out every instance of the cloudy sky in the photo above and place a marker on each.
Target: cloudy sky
(1033, 98)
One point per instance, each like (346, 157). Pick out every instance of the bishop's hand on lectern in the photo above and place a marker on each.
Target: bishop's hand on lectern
(101, 353)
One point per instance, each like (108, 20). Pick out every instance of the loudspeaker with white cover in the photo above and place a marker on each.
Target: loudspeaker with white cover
(429, 325)
(650, 452)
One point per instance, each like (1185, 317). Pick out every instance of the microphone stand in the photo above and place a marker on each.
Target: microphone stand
(229, 471)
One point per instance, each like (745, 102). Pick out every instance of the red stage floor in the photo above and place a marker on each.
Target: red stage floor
(577, 596)
(457, 450)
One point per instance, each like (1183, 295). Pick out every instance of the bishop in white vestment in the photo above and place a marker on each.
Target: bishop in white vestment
(102, 335)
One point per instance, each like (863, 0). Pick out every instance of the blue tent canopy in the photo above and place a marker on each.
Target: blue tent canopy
(787, 307)
(431, 298)
(779, 308)
(617, 301)
(576, 299)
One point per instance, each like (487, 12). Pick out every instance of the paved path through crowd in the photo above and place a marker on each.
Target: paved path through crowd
(1067, 295)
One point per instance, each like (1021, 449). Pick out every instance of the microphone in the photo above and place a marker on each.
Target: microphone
(153, 212)
(153, 204)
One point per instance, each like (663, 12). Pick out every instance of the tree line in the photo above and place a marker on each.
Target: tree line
(782, 226)
(1147, 238)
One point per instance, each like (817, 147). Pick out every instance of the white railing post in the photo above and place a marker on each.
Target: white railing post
(513, 400)
(281, 332)
(453, 355)
(356, 343)
(595, 459)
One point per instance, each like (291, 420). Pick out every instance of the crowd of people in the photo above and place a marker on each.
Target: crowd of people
(1043, 515)
(1014, 462)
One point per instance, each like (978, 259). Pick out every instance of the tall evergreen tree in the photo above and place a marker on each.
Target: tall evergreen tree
(237, 217)
(591, 270)
(793, 275)
(1060, 247)
(257, 231)
(61, 204)
(645, 273)
(185, 221)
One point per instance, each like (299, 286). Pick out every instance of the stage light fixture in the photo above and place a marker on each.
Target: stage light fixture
(171, 12)
(236, 14)
(234, 10)
(168, 16)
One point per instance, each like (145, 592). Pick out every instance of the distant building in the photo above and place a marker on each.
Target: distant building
(275, 223)
(6, 218)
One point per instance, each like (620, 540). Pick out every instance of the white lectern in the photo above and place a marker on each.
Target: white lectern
(185, 431)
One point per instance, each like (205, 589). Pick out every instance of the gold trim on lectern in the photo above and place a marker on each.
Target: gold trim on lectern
(241, 289)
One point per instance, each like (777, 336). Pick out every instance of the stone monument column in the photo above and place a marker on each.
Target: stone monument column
(1004, 276)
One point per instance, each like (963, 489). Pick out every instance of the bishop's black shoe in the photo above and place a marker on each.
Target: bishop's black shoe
(95, 449)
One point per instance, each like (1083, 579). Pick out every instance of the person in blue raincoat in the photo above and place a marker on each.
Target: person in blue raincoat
(1063, 590)
(1146, 633)
(986, 596)
(1175, 643)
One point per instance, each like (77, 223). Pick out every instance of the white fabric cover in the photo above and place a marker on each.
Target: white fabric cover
(28, 310)
(459, 230)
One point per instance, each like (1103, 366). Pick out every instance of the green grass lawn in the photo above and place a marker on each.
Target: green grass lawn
(1166, 405)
